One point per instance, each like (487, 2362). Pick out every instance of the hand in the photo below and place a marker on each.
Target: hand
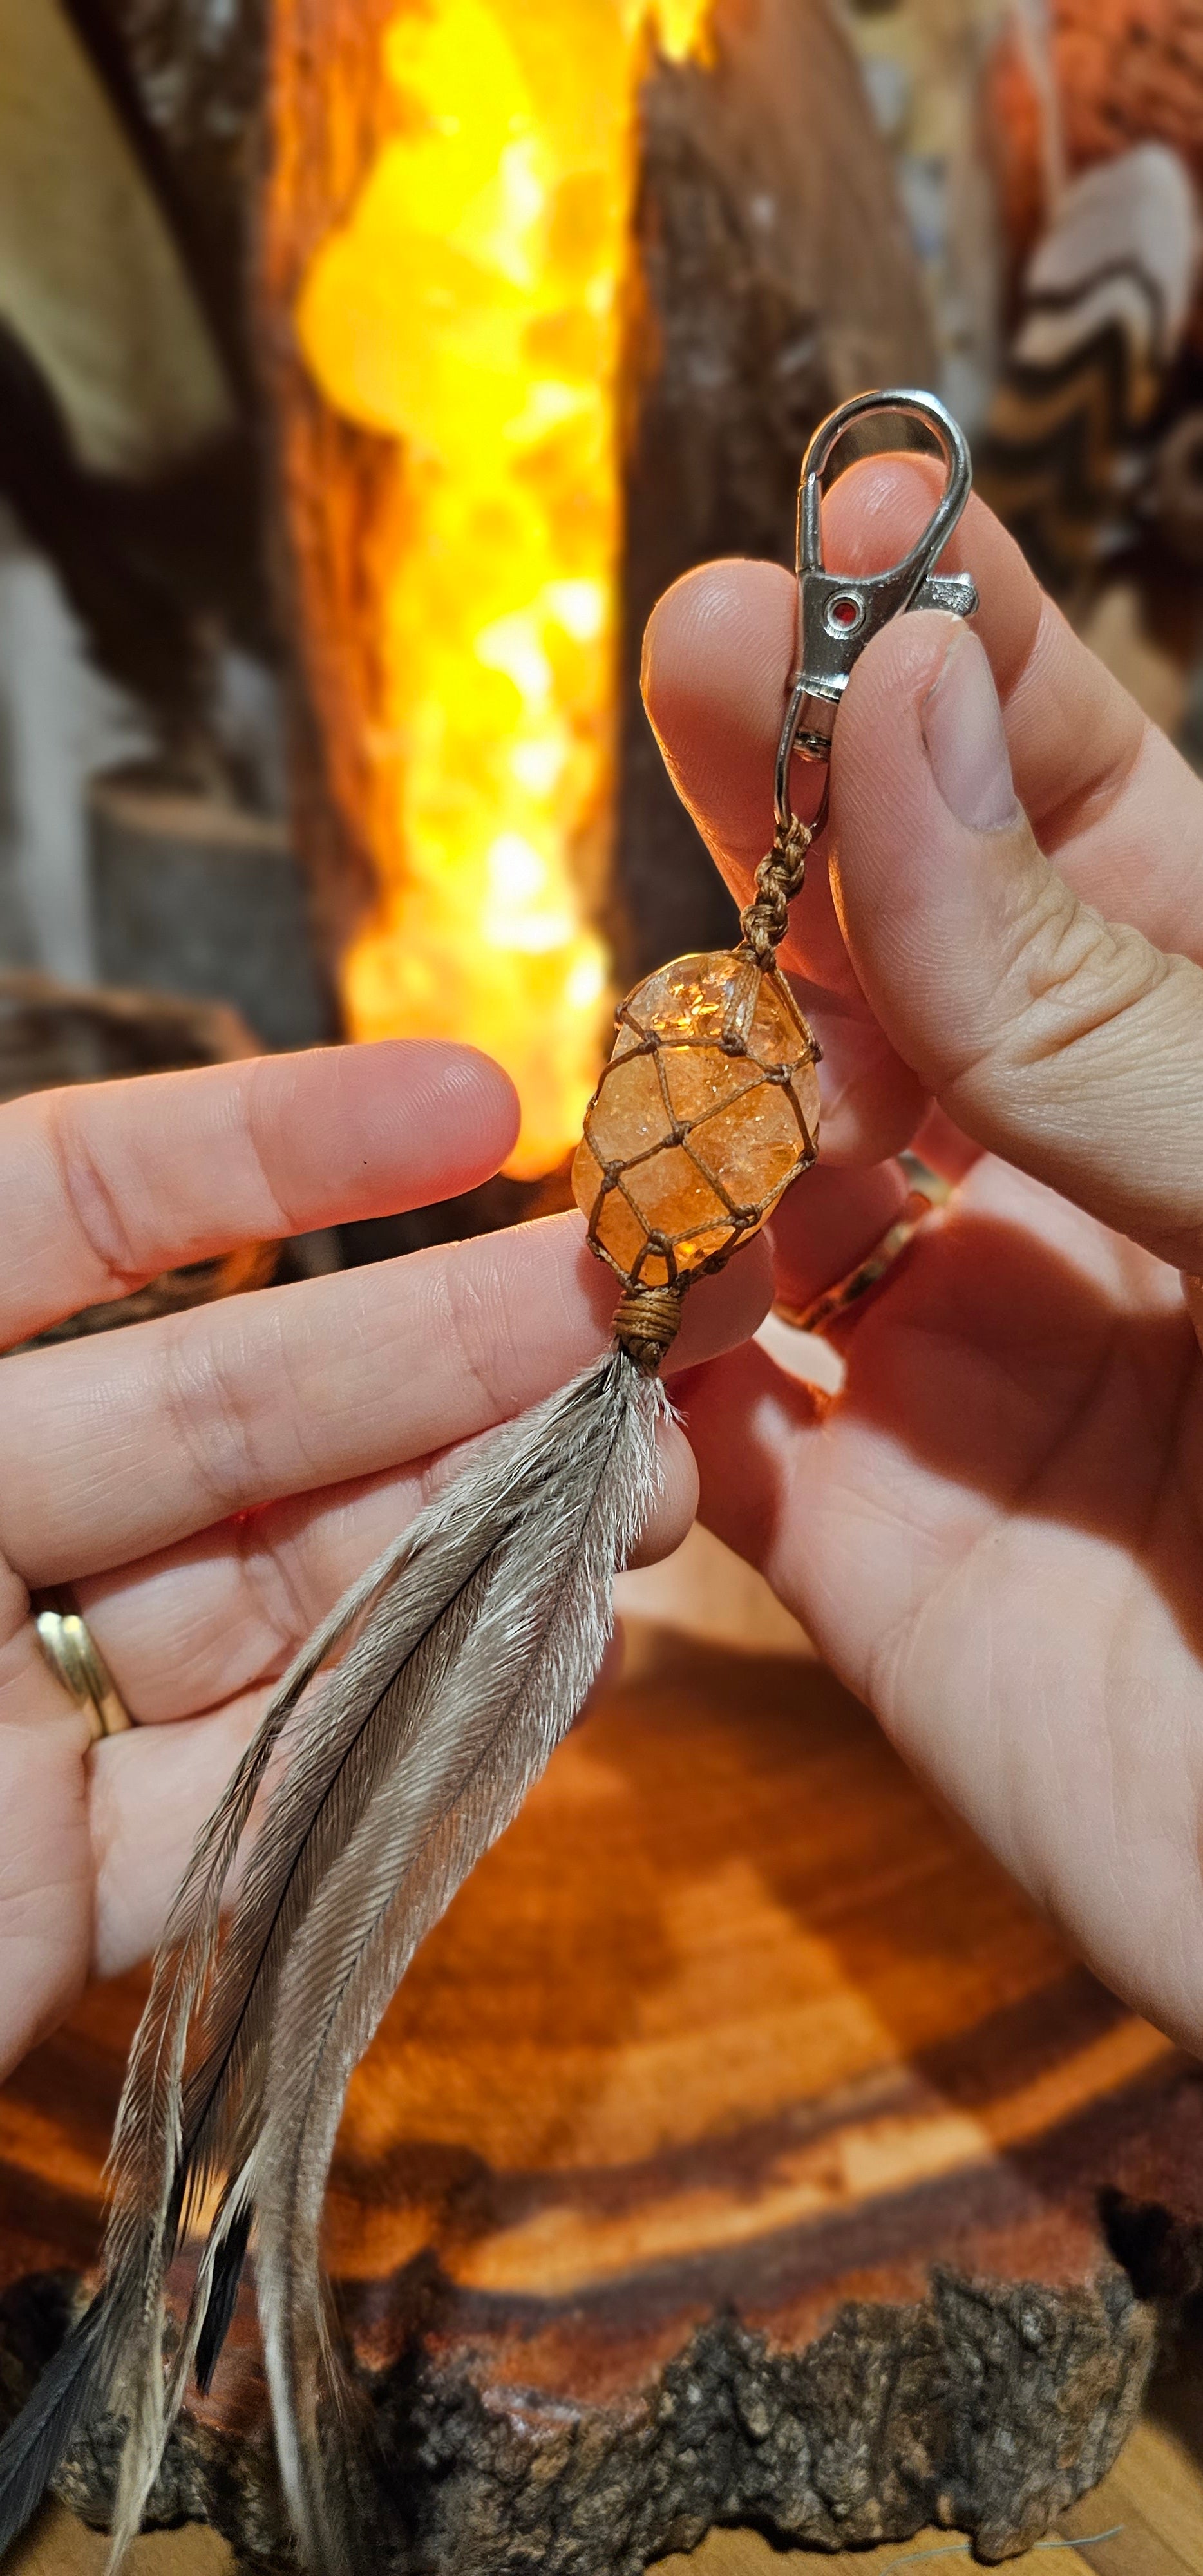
(209, 1484)
(996, 1533)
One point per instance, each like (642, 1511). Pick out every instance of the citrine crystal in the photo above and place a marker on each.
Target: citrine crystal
(707, 1110)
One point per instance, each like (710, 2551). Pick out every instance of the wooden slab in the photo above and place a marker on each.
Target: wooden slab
(1146, 2519)
(733, 2152)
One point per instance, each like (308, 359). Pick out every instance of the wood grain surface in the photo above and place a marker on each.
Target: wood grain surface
(728, 2043)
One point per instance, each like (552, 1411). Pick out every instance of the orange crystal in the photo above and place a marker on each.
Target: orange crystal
(707, 1110)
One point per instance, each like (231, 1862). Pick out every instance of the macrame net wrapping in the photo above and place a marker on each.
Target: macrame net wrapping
(706, 1112)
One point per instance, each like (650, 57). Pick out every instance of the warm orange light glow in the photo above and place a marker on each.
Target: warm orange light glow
(470, 307)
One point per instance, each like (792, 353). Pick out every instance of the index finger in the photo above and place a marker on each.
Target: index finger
(108, 1184)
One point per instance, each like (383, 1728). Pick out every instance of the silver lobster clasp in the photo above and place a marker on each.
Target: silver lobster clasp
(838, 612)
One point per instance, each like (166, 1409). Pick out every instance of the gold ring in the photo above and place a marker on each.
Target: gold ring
(837, 1305)
(76, 1661)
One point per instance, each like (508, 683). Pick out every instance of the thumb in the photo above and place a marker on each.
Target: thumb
(1066, 1043)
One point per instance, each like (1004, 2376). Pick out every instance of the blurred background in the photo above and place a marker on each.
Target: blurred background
(367, 368)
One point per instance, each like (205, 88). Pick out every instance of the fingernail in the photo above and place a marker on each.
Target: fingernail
(962, 728)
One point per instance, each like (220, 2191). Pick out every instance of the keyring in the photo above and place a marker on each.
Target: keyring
(838, 612)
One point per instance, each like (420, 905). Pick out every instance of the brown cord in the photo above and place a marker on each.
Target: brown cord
(646, 1322)
(779, 878)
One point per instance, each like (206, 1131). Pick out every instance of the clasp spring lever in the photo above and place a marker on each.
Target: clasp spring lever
(838, 612)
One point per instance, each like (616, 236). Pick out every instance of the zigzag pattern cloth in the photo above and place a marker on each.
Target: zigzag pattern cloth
(1104, 308)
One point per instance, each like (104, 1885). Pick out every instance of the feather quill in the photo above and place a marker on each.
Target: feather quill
(463, 1656)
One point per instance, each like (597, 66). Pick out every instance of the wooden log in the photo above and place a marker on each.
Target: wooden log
(53, 1033)
(772, 277)
(195, 896)
(737, 2149)
(777, 279)
(327, 113)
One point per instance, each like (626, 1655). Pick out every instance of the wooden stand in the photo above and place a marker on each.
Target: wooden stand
(736, 2150)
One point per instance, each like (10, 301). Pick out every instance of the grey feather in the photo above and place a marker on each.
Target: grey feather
(495, 1700)
(33, 2449)
(463, 1655)
(175, 2137)
(164, 2143)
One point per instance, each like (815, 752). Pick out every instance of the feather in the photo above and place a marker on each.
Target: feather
(153, 2161)
(175, 2137)
(223, 2294)
(115, 2355)
(463, 1656)
(496, 1703)
(36, 2445)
